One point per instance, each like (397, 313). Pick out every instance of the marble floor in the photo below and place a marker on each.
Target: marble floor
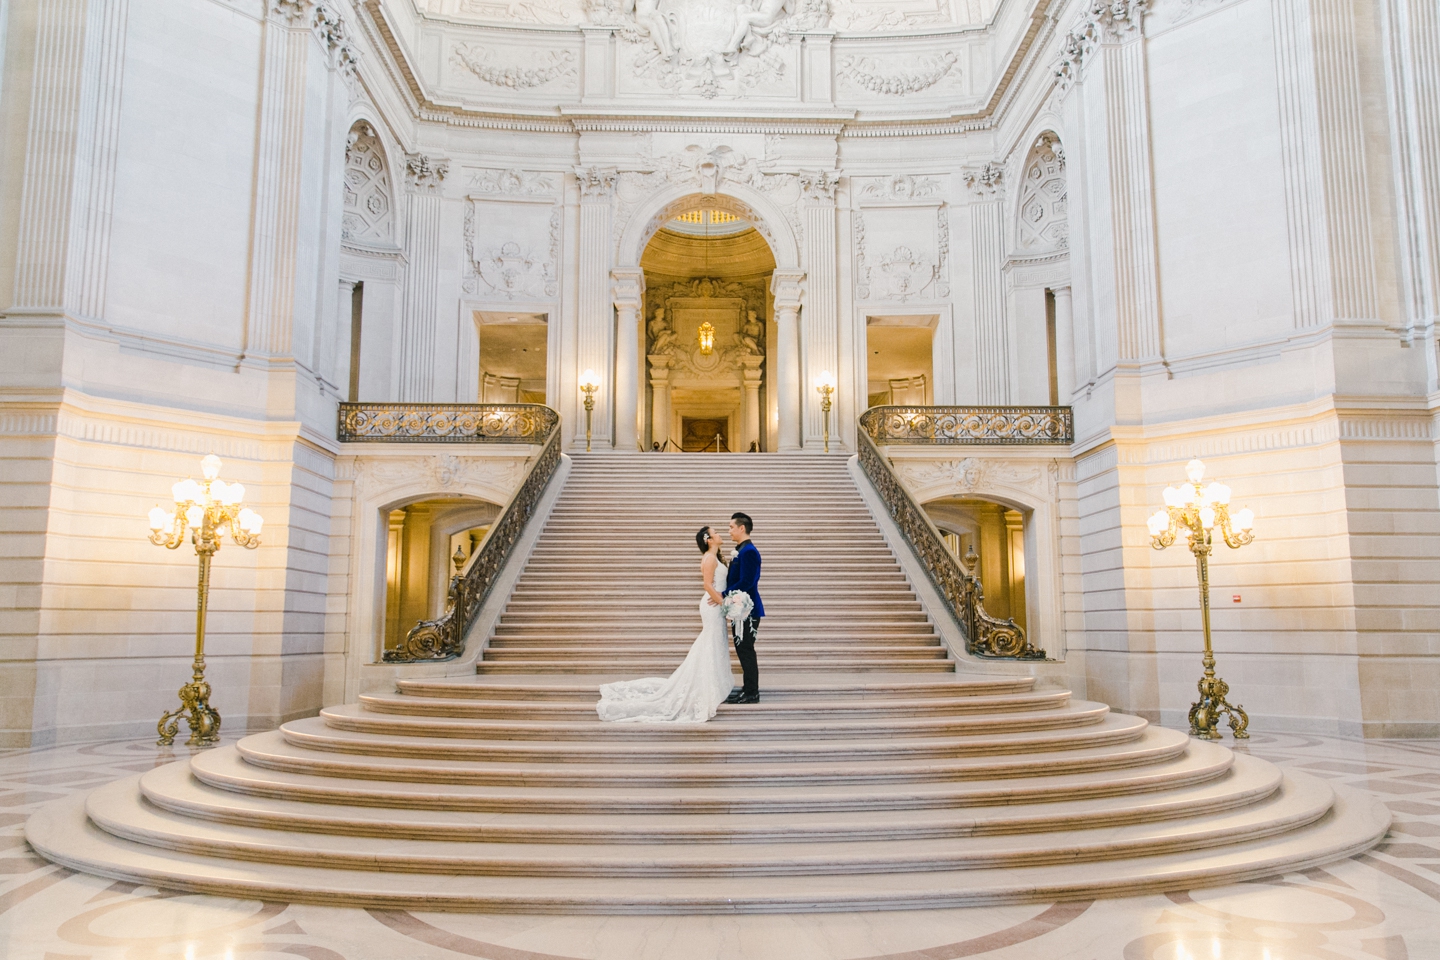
(1385, 903)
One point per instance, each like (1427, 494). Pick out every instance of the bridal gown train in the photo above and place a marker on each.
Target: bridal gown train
(693, 692)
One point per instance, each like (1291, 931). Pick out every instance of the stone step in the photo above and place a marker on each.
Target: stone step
(677, 644)
(620, 651)
(120, 810)
(566, 733)
(175, 789)
(663, 668)
(1078, 724)
(804, 692)
(768, 709)
(1156, 761)
(62, 832)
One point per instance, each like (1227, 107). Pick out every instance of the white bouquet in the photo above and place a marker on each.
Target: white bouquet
(737, 606)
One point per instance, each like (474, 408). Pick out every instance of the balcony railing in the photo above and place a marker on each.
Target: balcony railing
(443, 638)
(985, 635)
(968, 425)
(446, 422)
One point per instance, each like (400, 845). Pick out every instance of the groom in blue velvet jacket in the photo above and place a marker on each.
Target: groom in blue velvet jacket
(744, 575)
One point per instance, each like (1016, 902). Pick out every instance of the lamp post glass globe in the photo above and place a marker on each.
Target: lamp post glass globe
(208, 512)
(1202, 514)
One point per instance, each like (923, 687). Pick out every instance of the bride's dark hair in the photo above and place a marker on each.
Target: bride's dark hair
(702, 540)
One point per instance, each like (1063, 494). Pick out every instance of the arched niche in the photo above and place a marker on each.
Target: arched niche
(1042, 223)
(740, 199)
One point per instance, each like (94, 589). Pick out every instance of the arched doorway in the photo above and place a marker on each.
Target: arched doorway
(708, 320)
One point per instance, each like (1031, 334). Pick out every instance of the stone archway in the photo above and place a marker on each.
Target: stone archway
(777, 426)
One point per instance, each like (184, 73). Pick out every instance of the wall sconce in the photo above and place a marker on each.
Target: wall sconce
(1201, 512)
(707, 338)
(210, 510)
(825, 385)
(589, 383)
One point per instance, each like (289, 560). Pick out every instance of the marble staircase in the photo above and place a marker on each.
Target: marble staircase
(872, 774)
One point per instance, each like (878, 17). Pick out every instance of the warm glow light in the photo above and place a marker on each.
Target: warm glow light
(1217, 493)
(187, 491)
(157, 518)
(210, 466)
(1174, 497)
(1207, 517)
(1244, 519)
(826, 381)
(588, 380)
(234, 493)
(1159, 522)
(1195, 470)
(249, 521)
(707, 338)
(195, 515)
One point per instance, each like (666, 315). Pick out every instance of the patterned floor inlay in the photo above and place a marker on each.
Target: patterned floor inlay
(1383, 904)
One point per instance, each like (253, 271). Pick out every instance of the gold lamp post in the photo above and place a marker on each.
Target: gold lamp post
(825, 385)
(589, 383)
(209, 510)
(1203, 513)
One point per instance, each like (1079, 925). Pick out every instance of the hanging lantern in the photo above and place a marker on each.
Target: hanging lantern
(707, 338)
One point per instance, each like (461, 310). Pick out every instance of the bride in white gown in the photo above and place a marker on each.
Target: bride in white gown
(702, 682)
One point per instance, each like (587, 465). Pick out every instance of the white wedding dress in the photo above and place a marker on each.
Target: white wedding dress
(693, 692)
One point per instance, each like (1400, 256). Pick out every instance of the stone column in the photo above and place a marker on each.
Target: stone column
(821, 333)
(1067, 351)
(787, 287)
(660, 401)
(424, 177)
(992, 326)
(595, 326)
(750, 405)
(345, 362)
(628, 293)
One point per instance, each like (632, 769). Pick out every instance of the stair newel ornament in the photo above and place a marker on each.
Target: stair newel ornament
(443, 638)
(825, 386)
(1203, 512)
(589, 383)
(985, 635)
(209, 511)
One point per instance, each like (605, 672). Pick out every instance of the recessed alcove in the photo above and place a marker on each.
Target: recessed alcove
(991, 539)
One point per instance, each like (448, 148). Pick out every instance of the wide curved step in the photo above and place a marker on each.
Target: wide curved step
(62, 832)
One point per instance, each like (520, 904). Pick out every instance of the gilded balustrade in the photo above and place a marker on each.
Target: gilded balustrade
(969, 425)
(985, 635)
(443, 638)
(446, 422)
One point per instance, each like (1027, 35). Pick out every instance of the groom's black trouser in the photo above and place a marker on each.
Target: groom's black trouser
(745, 650)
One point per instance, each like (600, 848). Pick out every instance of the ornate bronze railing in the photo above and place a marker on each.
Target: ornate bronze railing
(446, 422)
(896, 424)
(985, 636)
(444, 637)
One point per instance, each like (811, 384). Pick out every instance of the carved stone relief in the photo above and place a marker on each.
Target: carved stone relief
(977, 475)
(1043, 219)
(906, 271)
(744, 338)
(523, 71)
(523, 267)
(512, 182)
(369, 204)
(899, 75)
(1103, 21)
(447, 472)
(900, 187)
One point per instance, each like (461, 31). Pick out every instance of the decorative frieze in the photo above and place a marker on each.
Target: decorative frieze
(536, 70)
(986, 181)
(900, 75)
(901, 187)
(514, 183)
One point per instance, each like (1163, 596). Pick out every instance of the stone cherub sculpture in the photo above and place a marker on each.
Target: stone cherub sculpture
(647, 15)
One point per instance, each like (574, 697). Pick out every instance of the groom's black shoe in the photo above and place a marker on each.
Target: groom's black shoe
(736, 695)
(746, 698)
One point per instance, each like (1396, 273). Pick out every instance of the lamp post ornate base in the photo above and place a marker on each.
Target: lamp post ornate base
(203, 719)
(1205, 713)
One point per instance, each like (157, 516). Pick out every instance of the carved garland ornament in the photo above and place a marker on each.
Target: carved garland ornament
(477, 60)
(1104, 21)
(869, 74)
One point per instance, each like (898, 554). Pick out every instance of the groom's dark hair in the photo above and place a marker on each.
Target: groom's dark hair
(744, 520)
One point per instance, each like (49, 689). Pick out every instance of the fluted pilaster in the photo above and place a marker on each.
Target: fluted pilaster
(424, 178)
